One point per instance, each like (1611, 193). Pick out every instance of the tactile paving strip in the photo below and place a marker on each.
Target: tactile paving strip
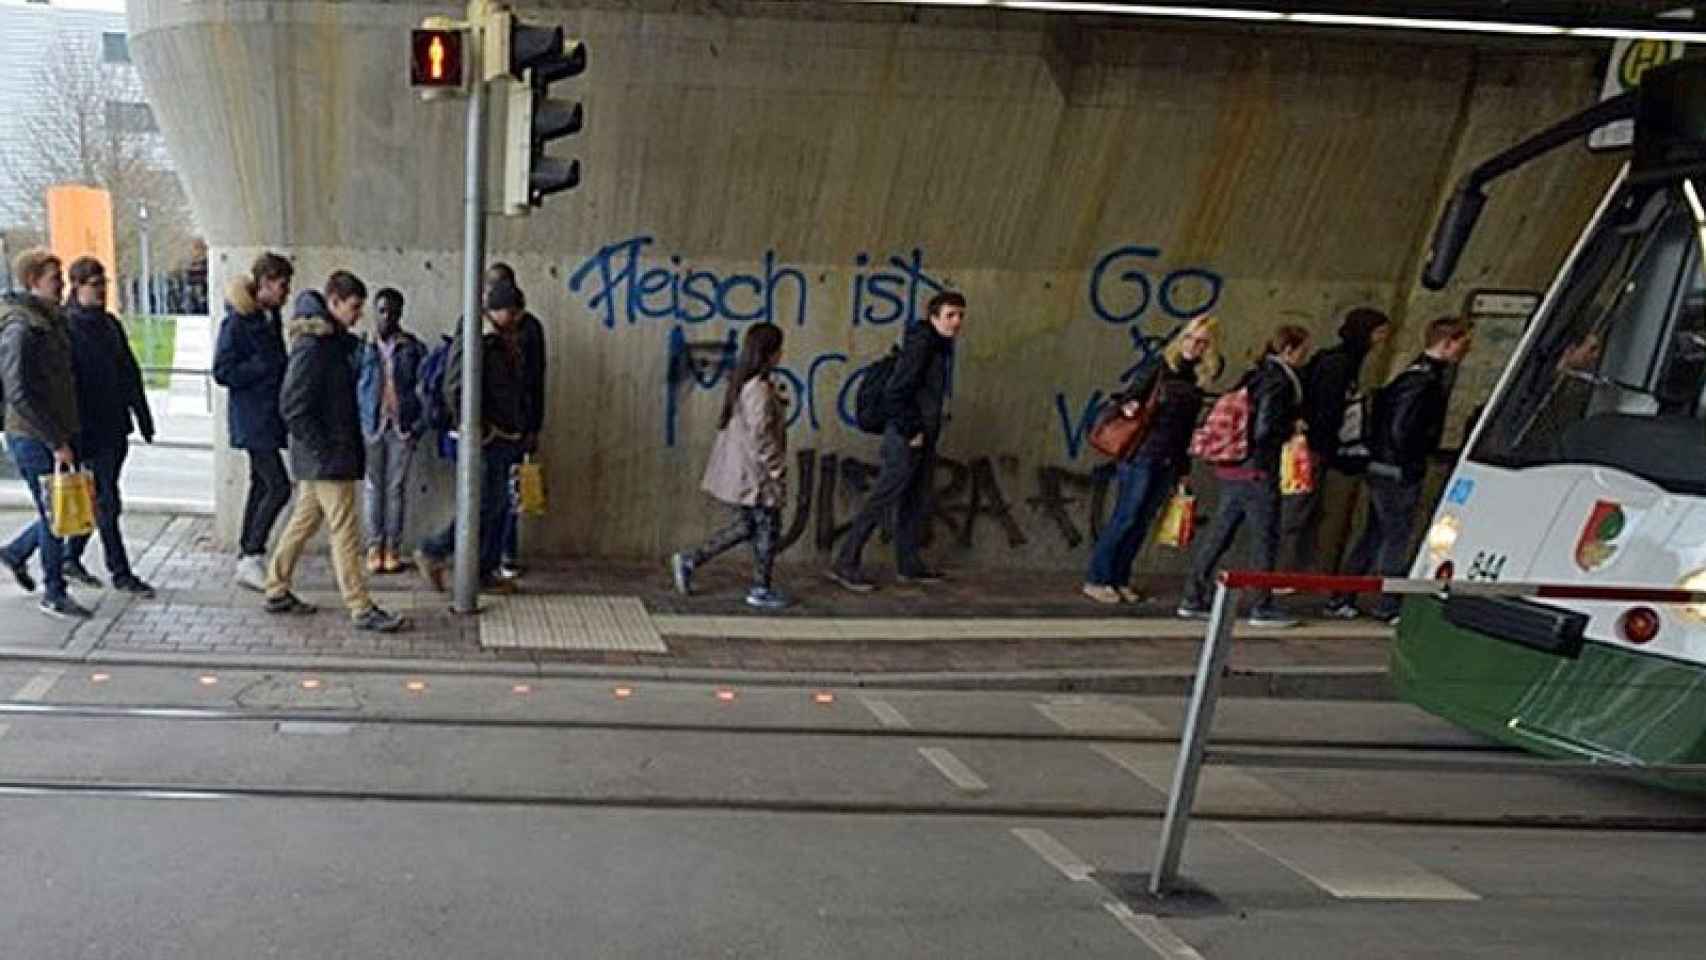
(570, 623)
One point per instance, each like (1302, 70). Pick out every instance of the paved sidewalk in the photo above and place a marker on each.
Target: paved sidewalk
(977, 623)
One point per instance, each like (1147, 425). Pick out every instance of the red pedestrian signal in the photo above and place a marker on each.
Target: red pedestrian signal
(435, 59)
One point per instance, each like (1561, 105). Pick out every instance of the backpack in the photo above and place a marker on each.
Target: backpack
(1224, 437)
(868, 401)
(435, 407)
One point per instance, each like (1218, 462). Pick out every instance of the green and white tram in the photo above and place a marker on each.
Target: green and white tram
(1588, 467)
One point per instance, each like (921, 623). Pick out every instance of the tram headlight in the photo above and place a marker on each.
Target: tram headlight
(1442, 537)
(1695, 581)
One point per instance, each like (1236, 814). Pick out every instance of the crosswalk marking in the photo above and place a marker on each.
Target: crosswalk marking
(1096, 715)
(1055, 853)
(1153, 932)
(1347, 867)
(950, 766)
(1220, 786)
(885, 713)
(35, 689)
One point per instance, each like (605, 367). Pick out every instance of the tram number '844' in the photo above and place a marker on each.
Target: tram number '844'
(1487, 566)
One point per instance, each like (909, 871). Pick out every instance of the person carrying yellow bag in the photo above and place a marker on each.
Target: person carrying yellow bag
(41, 418)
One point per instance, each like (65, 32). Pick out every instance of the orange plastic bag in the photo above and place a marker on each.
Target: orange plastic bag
(1178, 520)
(1297, 467)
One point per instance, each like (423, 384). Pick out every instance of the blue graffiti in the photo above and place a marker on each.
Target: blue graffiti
(624, 293)
(684, 369)
(1182, 294)
(1077, 433)
(893, 294)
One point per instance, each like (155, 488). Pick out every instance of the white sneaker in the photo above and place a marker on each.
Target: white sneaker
(1101, 593)
(252, 573)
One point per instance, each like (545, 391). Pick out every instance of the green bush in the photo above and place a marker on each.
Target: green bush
(153, 339)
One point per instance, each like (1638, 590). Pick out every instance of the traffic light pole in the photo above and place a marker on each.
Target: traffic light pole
(466, 595)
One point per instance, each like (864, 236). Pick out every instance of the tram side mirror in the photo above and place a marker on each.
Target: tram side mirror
(1451, 235)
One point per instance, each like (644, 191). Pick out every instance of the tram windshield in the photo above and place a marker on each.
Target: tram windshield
(1616, 375)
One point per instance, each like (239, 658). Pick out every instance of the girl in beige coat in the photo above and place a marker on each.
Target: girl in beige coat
(748, 469)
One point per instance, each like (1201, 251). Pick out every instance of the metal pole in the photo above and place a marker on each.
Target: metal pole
(147, 277)
(1199, 717)
(466, 598)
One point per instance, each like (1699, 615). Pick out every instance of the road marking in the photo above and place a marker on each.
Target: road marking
(1347, 867)
(39, 685)
(1094, 714)
(885, 713)
(950, 766)
(1055, 853)
(1152, 931)
(319, 728)
(1220, 786)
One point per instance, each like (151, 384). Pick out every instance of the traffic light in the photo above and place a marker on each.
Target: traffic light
(538, 57)
(435, 60)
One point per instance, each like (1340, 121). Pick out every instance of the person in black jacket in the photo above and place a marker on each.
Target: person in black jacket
(327, 454)
(249, 361)
(915, 403)
(1330, 380)
(1408, 422)
(1146, 479)
(1250, 489)
(503, 408)
(530, 336)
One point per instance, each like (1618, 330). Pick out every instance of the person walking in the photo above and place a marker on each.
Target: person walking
(530, 337)
(249, 360)
(318, 403)
(1408, 422)
(391, 422)
(1147, 477)
(38, 377)
(915, 402)
(111, 404)
(1330, 381)
(748, 469)
(1249, 489)
(504, 411)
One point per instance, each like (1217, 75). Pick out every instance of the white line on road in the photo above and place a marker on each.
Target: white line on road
(1219, 785)
(35, 689)
(1093, 714)
(885, 713)
(1152, 931)
(950, 766)
(1055, 853)
(1347, 867)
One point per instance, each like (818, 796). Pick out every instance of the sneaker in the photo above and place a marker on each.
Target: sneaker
(1101, 593)
(1271, 618)
(850, 580)
(1190, 611)
(133, 585)
(20, 573)
(288, 602)
(510, 570)
(681, 571)
(1128, 595)
(376, 620)
(252, 573)
(75, 572)
(393, 561)
(499, 586)
(64, 608)
(1343, 610)
(1388, 617)
(923, 575)
(375, 560)
(766, 599)
(431, 571)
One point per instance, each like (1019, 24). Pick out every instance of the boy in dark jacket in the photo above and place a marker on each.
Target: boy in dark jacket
(1330, 380)
(915, 400)
(530, 337)
(1408, 422)
(390, 423)
(503, 408)
(249, 361)
(318, 403)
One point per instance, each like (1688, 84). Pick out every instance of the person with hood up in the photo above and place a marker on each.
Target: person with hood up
(327, 454)
(1330, 381)
(249, 361)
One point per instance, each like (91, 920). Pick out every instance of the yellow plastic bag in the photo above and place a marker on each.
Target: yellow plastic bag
(71, 502)
(1178, 520)
(1297, 467)
(528, 479)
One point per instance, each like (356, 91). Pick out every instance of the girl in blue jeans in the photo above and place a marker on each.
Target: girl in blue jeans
(1146, 479)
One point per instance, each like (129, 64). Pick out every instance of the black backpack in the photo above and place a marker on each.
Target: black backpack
(430, 389)
(868, 401)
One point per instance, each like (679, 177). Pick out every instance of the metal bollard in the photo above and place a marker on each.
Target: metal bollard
(1199, 717)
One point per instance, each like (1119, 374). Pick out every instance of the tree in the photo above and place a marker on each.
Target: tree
(93, 128)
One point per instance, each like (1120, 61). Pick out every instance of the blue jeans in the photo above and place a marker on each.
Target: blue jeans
(106, 466)
(497, 458)
(34, 460)
(1144, 485)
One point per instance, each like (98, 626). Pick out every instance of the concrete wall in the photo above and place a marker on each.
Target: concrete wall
(828, 166)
